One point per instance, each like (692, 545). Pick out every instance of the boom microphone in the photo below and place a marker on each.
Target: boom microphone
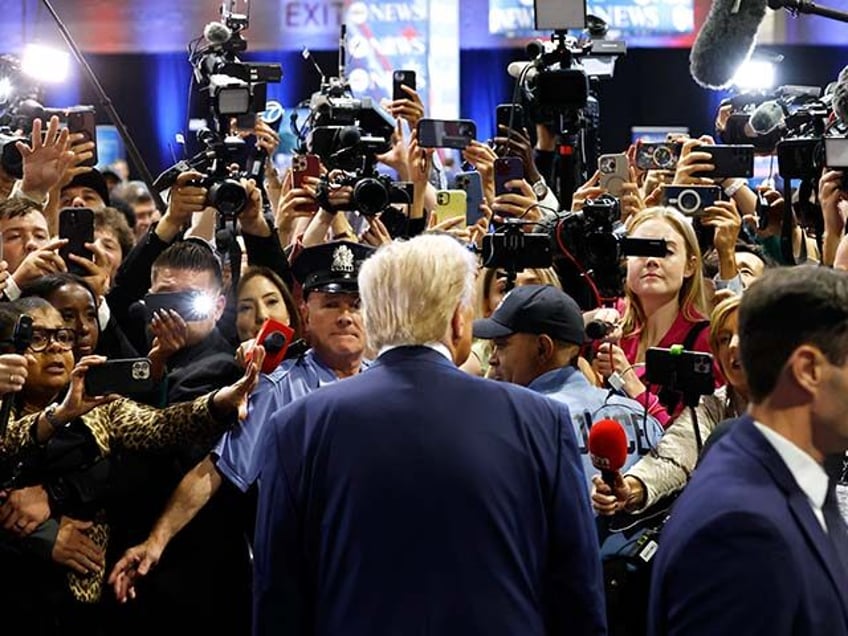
(765, 118)
(608, 449)
(725, 41)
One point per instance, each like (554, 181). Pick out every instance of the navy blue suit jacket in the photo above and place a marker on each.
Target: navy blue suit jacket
(416, 499)
(743, 552)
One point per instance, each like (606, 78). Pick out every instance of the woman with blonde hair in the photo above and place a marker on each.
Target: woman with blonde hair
(664, 305)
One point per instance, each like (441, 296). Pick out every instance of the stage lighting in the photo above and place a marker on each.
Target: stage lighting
(755, 75)
(45, 64)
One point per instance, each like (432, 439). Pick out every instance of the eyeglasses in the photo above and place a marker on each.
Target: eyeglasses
(41, 338)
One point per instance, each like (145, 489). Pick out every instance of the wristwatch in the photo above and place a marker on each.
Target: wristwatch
(540, 189)
(50, 416)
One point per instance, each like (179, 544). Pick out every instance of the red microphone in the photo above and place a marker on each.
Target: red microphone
(608, 449)
(275, 337)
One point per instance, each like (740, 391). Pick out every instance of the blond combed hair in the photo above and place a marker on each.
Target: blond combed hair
(410, 289)
(720, 314)
(691, 298)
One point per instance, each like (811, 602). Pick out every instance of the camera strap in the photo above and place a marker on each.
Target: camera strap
(786, 248)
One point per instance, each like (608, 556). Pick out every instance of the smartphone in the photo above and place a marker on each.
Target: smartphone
(81, 120)
(275, 337)
(509, 115)
(729, 161)
(402, 78)
(76, 225)
(191, 305)
(446, 133)
(657, 156)
(676, 369)
(691, 200)
(507, 169)
(450, 204)
(472, 184)
(305, 166)
(124, 376)
(615, 172)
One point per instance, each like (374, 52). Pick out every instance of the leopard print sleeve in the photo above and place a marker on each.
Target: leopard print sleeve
(139, 427)
(19, 438)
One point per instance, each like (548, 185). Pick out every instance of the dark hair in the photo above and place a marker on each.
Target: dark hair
(8, 317)
(46, 285)
(112, 220)
(757, 251)
(192, 255)
(16, 206)
(788, 307)
(294, 313)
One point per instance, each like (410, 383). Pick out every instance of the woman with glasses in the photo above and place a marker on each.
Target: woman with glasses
(58, 430)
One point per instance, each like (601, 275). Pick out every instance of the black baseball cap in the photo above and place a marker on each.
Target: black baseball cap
(331, 267)
(91, 179)
(540, 309)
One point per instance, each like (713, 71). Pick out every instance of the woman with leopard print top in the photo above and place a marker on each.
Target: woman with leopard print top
(59, 429)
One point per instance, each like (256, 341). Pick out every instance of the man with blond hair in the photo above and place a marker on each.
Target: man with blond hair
(414, 498)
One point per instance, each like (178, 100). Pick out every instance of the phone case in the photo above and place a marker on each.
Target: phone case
(446, 133)
(450, 204)
(402, 78)
(82, 121)
(507, 169)
(76, 225)
(305, 166)
(472, 185)
(502, 117)
(126, 376)
(729, 161)
(615, 172)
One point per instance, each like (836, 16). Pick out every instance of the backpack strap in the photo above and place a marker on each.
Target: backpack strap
(694, 332)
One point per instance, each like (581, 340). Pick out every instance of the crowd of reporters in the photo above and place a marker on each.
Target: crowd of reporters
(97, 487)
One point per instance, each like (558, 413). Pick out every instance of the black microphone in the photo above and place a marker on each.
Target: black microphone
(725, 41)
(21, 339)
(597, 329)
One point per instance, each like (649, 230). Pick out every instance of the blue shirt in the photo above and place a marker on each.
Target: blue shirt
(589, 404)
(238, 451)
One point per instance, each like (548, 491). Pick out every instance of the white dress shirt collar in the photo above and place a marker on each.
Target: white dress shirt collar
(435, 346)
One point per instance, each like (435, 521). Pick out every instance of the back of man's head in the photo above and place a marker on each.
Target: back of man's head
(410, 290)
(786, 308)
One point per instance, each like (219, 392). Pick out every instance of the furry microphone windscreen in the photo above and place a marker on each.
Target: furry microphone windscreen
(725, 41)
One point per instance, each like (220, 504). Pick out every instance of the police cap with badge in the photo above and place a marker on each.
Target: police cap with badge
(330, 267)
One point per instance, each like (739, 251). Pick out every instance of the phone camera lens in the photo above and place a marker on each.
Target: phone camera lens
(662, 157)
(608, 165)
(689, 201)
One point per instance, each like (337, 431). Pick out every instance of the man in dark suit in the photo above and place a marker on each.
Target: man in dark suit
(756, 544)
(416, 499)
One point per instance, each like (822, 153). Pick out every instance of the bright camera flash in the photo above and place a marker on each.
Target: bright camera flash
(755, 75)
(203, 304)
(45, 64)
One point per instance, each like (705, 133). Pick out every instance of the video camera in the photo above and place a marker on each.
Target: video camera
(596, 239)
(234, 89)
(348, 133)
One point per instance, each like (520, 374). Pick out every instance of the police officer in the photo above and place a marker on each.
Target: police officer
(328, 276)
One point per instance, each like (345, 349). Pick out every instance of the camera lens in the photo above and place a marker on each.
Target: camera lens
(370, 196)
(663, 157)
(608, 165)
(228, 197)
(689, 201)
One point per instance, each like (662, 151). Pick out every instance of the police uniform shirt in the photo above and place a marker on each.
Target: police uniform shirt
(238, 452)
(589, 404)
